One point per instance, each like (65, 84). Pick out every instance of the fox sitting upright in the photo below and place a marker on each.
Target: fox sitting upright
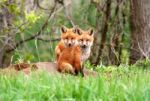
(67, 52)
(68, 39)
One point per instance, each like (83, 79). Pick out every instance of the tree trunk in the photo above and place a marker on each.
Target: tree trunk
(140, 30)
(104, 31)
(6, 42)
(94, 50)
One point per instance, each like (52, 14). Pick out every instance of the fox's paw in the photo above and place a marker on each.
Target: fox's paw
(67, 68)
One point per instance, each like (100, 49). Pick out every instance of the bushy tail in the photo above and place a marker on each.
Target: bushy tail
(66, 68)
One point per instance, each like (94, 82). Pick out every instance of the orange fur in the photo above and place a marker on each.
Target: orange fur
(70, 58)
(59, 48)
(70, 55)
(68, 38)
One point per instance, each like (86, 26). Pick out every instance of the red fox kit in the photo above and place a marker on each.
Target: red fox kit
(85, 41)
(68, 39)
(67, 51)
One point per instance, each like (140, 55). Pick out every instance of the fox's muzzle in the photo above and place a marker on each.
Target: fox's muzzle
(83, 46)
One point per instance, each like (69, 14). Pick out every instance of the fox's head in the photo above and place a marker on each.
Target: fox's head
(69, 36)
(85, 39)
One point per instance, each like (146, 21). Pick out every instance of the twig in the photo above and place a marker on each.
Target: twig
(34, 36)
(60, 1)
(6, 42)
(145, 54)
(67, 14)
(98, 6)
(52, 13)
(48, 40)
(38, 5)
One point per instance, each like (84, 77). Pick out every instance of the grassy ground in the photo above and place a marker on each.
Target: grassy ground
(112, 84)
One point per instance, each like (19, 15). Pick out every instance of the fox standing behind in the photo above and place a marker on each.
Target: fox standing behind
(85, 41)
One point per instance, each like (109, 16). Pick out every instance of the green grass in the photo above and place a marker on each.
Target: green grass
(112, 84)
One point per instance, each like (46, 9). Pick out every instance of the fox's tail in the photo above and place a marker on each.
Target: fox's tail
(66, 68)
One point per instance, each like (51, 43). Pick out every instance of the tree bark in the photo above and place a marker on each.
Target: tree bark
(94, 50)
(140, 30)
(104, 31)
(6, 18)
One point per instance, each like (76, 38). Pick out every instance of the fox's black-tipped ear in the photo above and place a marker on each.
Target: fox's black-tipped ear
(78, 31)
(91, 31)
(63, 29)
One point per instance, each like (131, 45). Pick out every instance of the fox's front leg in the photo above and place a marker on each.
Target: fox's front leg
(78, 65)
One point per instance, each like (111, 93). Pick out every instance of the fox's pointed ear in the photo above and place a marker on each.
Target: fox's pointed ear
(91, 31)
(78, 31)
(63, 29)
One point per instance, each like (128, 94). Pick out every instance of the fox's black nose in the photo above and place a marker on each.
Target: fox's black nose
(69, 44)
(84, 46)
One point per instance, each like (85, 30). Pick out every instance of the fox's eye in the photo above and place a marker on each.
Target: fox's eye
(66, 38)
(72, 38)
(87, 39)
(81, 39)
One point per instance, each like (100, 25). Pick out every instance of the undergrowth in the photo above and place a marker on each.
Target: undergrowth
(112, 83)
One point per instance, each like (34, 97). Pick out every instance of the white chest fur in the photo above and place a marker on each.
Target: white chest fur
(85, 54)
